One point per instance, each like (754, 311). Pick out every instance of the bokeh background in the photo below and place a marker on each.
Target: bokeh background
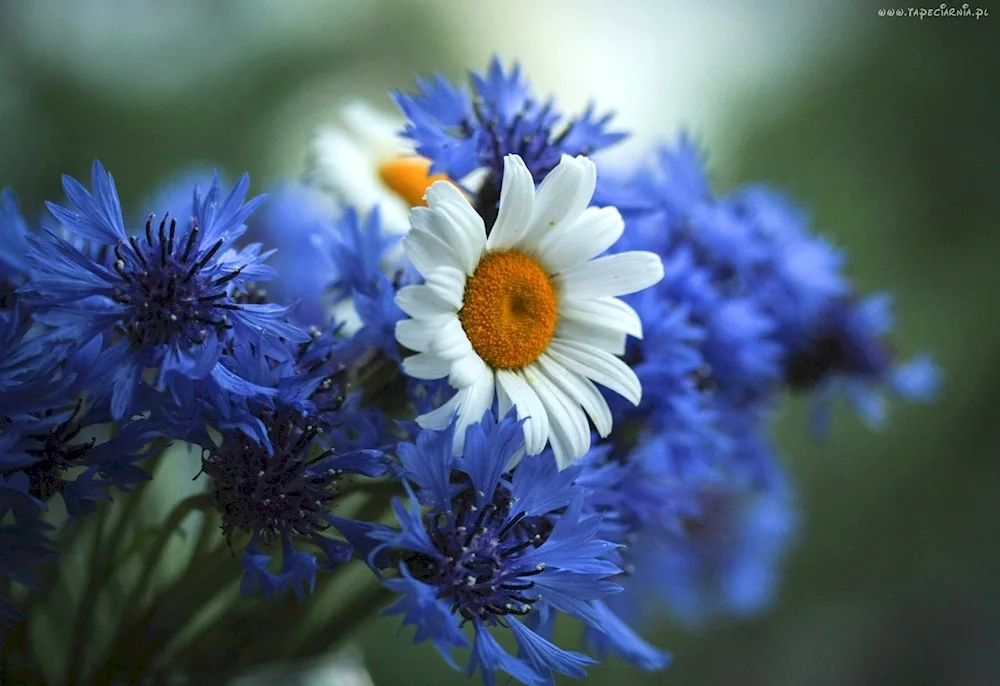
(885, 127)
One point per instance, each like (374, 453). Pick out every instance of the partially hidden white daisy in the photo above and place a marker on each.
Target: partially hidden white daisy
(367, 163)
(527, 315)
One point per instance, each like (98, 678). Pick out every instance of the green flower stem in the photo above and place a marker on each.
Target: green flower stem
(88, 602)
(136, 646)
(198, 501)
(16, 666)
(356, 613)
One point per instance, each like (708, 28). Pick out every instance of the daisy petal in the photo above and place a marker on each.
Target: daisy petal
(529, 407)
(573, 243)
(581, 390)
(566, 420)
(440, 418)
(427, 251)
(597, 365)
(426, 366)
(594, 333)
(441, 223)
(449, 284)
(451, 342)
(562, 196)
(619, 274)
(446, 194)
(609, 313)
(421, 301)
(466, 370)
(478, 400)
(517, 198)
(417, 334)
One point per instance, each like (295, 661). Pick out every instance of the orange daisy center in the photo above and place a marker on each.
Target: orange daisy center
(409, 178)
(509, 310)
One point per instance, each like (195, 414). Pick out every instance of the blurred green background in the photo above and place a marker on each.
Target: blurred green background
(886, 128)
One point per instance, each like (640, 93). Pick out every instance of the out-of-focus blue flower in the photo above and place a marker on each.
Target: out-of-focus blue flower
(669, 209)
(494, 546)
(847, 353)
(14, 268)
(725, 562)
(702, 543)
(166, 300)
(767, 296)
(298, 222)
(461, 132)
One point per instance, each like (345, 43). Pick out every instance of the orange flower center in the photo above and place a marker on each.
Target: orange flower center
(409, 178)
(509, 310)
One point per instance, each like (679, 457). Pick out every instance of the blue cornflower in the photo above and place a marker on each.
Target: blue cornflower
(335, 267)
(14, 269)
(492, 547)
(363, 292)
(710, 257)
(359, 249)
(76, 456)
(280, 495)
(285, 455)
(297, 221)
(461, 132)
(847, 353)
(48, 435)
(726, 559)
(701, 542)
(799, 274)
(167, 300)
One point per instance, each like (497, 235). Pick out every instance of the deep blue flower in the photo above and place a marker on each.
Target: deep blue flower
(847, 353)
(280, 495)
(298, 222)
(461, 132)
(368, 273)
(798, 274)
(702, 543)
(168, 299)
(14, 268)
(494, 548)
(726, 561)
(285, 455)
(358, 250)
(703, 251)
(76, 455)
(767, 296)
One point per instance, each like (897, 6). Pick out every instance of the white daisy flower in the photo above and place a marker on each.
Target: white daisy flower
(528, 314)
(367, 163)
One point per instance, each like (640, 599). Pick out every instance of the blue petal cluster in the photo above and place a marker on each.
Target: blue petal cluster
(462, 131)
(166, 300)
(752, 304)
(484, 544)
